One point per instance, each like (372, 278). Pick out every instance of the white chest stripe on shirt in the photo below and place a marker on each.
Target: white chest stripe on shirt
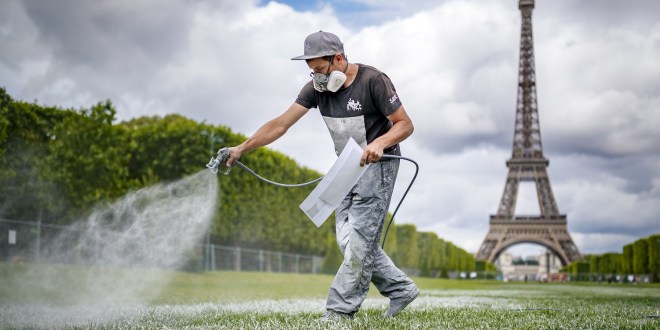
(341, 129)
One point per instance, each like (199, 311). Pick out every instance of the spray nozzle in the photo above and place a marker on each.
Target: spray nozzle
(220, 163)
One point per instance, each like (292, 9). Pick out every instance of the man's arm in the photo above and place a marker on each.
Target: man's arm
(401, 129)
(269, 132)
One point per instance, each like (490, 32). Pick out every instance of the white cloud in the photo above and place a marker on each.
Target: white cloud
(602, 206)
(599, 88)
(595, 243)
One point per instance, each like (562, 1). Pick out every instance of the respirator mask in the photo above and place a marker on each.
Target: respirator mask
(330, 81)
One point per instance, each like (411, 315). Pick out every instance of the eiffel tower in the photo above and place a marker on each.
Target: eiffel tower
(527, 163)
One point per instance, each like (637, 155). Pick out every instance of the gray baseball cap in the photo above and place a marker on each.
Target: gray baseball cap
(319, 44)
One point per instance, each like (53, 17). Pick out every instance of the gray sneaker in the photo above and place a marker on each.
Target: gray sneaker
(333, 316)
(398, 304)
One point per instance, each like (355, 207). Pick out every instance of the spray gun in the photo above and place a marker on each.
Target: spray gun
(220, 163)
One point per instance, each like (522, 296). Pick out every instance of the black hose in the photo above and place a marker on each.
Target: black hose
(402, 197)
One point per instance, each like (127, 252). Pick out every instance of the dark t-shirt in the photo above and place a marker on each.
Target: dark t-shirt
(359, 111)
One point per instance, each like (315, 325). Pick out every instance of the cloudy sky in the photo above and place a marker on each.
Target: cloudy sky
(454, 64)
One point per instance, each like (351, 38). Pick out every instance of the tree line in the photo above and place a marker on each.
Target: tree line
(57, 164)
(641, 257)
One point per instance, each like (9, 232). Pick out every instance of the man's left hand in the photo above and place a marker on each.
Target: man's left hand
(371, 154)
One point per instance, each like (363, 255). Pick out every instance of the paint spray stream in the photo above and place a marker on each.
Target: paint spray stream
(94, 263)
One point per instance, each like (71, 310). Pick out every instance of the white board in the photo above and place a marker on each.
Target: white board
(332, 189)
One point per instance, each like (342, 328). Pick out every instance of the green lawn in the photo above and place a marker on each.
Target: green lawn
(64, 297)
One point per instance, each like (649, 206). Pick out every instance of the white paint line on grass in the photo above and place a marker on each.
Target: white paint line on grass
(72, 316)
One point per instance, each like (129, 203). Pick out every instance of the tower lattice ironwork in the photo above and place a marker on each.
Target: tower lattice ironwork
(528, 163)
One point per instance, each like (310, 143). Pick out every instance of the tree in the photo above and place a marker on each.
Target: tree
(451, 251)
(26, 189)
(594, 263)
(654, 257)
(87, 158)
(641, 257)
(407, 249)
(441, 262)
(425, 248)
(627, 259)
(610, 263)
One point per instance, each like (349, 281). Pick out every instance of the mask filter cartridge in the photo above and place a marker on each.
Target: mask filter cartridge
(331, 82)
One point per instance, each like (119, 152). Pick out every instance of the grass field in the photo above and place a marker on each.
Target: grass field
(230, 300)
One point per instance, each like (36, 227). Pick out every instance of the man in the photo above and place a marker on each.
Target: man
(355, 101)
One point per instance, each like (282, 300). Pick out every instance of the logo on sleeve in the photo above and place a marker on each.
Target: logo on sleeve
(394, 98)
(353, 105)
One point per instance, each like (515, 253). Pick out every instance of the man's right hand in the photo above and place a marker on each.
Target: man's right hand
(234, 155)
